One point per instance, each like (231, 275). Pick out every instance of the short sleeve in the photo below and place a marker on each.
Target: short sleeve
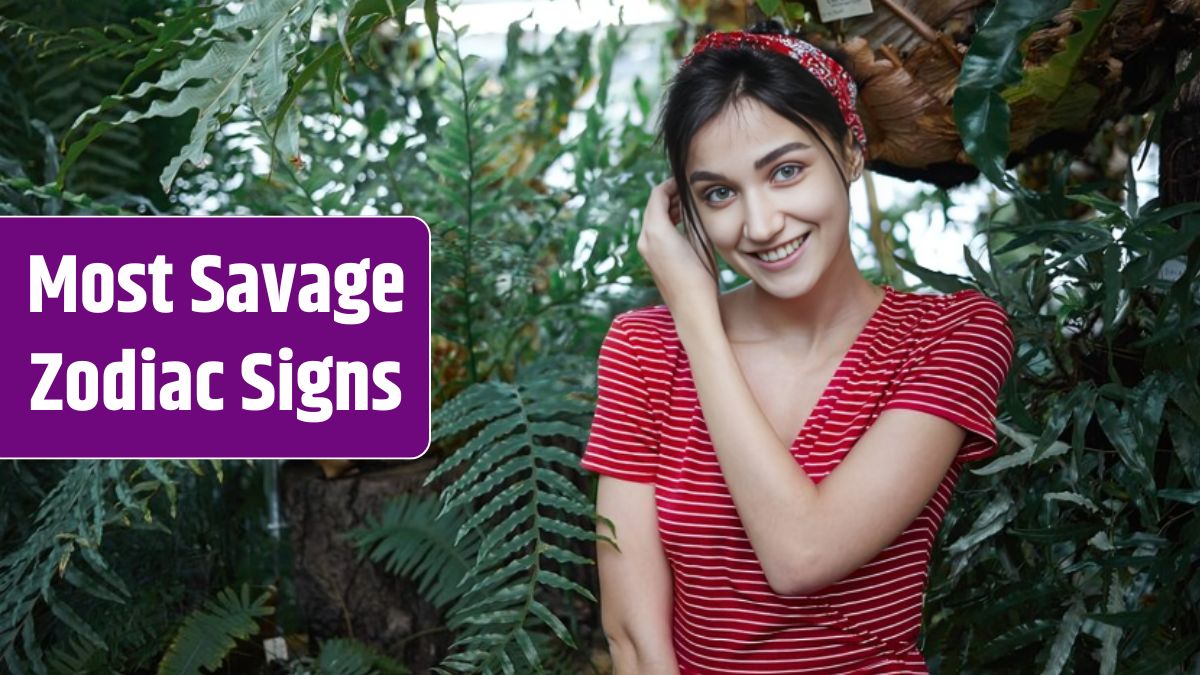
(622, 442)
(958, 372)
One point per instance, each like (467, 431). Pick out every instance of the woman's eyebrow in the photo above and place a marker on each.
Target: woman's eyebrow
(698, 176)
(759, 163)
(779, 152)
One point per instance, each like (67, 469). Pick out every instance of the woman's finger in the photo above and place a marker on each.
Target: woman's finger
(665, 198)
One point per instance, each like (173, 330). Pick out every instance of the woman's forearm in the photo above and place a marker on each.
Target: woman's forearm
(774, 498)
(636, 587)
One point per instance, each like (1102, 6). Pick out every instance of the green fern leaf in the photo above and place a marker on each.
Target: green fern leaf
(68, 527)
(512, 471)
(557, 428)
(102, 570)
(558, 482)
(410, 540)
(350, 657)
(528, 649)
(574, 506)
(490, 559)
(499, 451)
(488, 484)
(475, 405)
(506, 531)
(209, 634)
(567, 530)
(565, 555)
(502, 500)
(559, 581)
(77, 578)
(550, 454)
(542, 612)
(77, 657)
(489, 599)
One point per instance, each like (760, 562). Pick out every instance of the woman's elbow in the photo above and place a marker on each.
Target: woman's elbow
(804, 585)
(802, 573)
(618, 637)
(620, 650)
(630, 657)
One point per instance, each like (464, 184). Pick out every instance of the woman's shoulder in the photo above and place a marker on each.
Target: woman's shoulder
(947, 306)
(651, 323)
(943, 311)
(648, 336)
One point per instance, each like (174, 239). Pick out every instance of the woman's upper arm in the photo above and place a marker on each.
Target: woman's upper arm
(873, 495)
(636, 588)
(942, 410)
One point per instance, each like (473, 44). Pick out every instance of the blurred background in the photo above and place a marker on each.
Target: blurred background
(1041, 152)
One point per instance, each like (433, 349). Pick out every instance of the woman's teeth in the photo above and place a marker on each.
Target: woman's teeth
(783, 251)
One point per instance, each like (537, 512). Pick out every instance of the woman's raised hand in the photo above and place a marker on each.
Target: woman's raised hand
(679, 271)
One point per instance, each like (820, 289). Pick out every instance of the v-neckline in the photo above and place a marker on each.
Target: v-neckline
(842, 371)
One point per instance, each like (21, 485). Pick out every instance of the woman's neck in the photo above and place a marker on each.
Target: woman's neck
(824, 319)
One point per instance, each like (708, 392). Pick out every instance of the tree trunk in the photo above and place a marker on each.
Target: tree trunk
(340, 595)
(1179, 157)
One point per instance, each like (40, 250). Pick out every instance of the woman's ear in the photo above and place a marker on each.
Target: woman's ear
(854, 160)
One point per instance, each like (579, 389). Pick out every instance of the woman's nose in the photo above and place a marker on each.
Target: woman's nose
(763, 221)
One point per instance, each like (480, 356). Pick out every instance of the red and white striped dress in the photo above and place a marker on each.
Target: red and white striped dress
(941, 354)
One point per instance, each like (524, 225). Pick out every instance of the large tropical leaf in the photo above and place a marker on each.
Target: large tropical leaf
(246, 58)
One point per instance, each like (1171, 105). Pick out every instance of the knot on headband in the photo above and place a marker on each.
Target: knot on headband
(832, 76)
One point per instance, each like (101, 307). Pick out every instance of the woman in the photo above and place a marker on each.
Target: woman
(776, 459)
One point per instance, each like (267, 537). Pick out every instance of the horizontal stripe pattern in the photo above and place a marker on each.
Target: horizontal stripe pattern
(945, 355)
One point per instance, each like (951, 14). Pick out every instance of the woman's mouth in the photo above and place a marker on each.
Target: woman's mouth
(782, 256)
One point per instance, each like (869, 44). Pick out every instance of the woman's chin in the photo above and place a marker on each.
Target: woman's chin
(783, 289)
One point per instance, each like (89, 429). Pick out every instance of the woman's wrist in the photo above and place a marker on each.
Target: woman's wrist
(698, 324)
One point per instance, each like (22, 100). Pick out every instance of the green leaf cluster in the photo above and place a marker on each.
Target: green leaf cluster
(994, 61)
(56, 59)
(1078, 548)
(350, 657)
(525, 510)
(53, 578)
(415, 538)
(243, 57)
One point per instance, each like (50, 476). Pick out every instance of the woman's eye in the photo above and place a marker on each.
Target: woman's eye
(718, 194)
(788, 171)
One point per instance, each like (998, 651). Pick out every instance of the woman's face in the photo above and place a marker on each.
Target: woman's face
(770, 197)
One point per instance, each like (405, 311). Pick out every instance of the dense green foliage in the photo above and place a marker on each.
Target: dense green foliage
(59, 557)
(516, 198)
(1076, 550)
(1079, 548)
(1079, 545)
(56, 59)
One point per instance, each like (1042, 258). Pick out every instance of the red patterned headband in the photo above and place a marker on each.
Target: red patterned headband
(832, 76)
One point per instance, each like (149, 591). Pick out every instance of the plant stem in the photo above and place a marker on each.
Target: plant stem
(469, 127)
(880, 239)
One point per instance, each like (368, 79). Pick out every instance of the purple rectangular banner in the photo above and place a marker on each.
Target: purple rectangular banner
(216, 337)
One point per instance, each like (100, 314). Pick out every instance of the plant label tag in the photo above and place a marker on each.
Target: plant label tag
(275, 649)
(1172, 270)
(833, 10)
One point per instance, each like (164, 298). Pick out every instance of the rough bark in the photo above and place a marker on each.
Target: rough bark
(1179, 154)
(339, 595)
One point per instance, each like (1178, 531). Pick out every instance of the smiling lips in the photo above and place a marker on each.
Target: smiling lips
(783, 251)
